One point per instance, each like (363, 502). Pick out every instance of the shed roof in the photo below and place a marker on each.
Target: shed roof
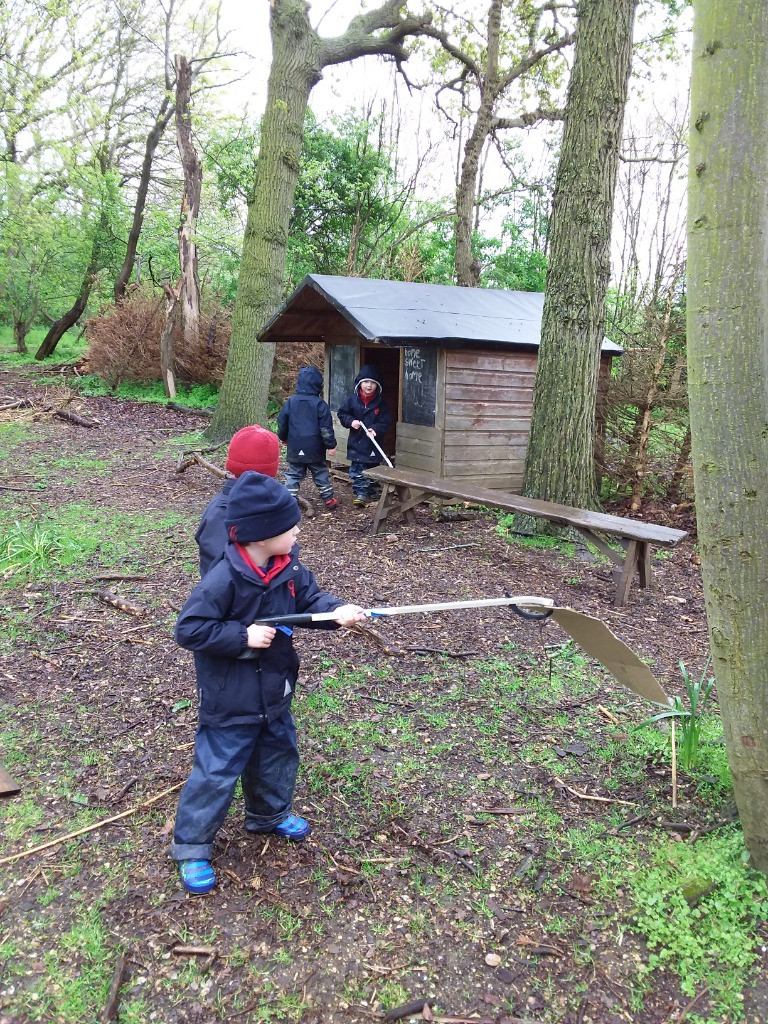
(402, 312)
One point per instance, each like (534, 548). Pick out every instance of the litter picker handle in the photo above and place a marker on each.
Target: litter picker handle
(374, 442)
(292, 620)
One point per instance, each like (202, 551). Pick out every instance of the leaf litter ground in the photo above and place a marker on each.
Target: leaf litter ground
(456, 768)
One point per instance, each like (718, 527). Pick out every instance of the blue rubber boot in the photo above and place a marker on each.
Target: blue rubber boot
(294, 828)
(197, 876)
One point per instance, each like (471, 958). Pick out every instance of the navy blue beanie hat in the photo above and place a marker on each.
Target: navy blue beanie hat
(259, 507)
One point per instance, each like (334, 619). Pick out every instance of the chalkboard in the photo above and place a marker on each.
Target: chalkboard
(342, 375)
(419, 386)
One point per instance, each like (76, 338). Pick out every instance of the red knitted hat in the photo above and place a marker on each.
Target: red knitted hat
(253, 448)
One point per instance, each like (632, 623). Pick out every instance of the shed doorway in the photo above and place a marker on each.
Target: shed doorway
(387, 362)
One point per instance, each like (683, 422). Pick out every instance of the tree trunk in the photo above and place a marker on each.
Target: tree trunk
(20, 329)
(728, 378)
(189, 295)
(167, 355)
(675, 491)
(638, 455)
(153, 139)
(467, 268)
(260, 288)
(298, 57)
(58, 329)
(560, 457)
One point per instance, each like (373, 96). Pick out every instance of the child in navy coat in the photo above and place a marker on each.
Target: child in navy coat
(246, 676)
(305, 425)
(365, 407)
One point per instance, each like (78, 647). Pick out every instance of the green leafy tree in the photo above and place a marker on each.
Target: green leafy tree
(498, 72)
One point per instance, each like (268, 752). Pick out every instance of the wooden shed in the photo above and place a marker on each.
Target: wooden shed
(457, 365)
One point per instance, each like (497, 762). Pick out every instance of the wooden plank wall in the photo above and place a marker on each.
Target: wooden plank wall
(488, 407)
(419, 448)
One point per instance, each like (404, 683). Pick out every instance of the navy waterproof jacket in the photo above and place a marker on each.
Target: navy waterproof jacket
(305, 422)
(235, 686)
(375, 415)
(211, 534)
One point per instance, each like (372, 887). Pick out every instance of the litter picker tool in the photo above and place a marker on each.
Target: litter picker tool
(376, 445)
(591, 634)
(529, 607)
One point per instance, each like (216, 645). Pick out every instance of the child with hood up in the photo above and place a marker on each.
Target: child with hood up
(365, 407)
(305, 425)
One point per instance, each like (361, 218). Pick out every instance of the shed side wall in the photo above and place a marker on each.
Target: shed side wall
(488, 407)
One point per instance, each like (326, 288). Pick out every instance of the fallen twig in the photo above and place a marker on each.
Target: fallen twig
(684, 1012)
(90, 828)
(107, 597)
(436, 650)
(588, 796)
(609, 715)
(108, 576)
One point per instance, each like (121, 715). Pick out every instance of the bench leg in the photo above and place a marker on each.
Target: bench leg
(406, 507)
(644, 563)
(627, 573)
(384, 507)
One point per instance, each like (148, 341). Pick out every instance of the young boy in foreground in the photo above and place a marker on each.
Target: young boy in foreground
(246, 676)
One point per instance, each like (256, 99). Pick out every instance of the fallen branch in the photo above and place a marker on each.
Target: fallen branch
(110, 1007)
(187, 459)
(80, 421)
(407, 1010)
(22, 403)
(90, 828)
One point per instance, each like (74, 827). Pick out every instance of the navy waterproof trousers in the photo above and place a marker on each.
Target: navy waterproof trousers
(265, 754)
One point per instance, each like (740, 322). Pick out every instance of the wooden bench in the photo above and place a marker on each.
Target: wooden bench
(403, 489)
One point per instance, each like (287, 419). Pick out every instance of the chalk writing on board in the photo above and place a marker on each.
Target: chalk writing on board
(419, 386)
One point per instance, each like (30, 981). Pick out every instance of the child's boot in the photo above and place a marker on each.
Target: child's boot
(197, 876)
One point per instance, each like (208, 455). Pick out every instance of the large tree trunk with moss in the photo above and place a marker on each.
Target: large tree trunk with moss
(728, 378)
(299, 55)
(560, 458)
(295, 70)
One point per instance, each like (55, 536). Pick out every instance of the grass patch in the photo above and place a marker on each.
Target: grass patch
(71, 348)
(197, 396)
(53, 543)
(696, 908)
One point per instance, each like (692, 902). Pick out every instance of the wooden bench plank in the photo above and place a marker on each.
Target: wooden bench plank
(566, 515)
(403, 489)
